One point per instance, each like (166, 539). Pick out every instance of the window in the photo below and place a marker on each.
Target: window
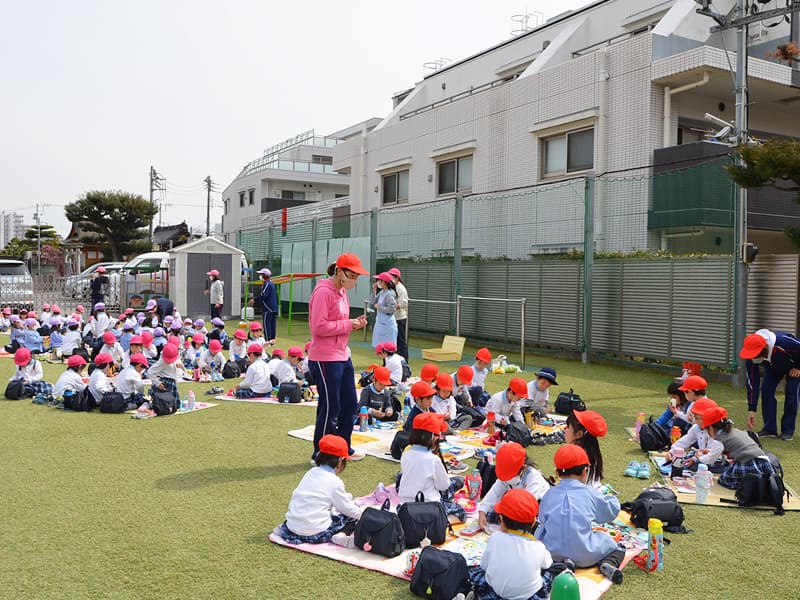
(569, 152)
(227, 204)
(241, 199)
(454, 175)
(290, 195)
(395, 187)
(321, 160)
(251, 197)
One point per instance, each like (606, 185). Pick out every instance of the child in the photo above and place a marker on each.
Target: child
(257, 334)
(285, 370)
(135, 346)
(71, 379)
(72, 338)
(99, 324)
(199, 326)
(257, 383)
(422, 394)
(708, 450)
(748, 457)
(56, 338)
(164, 373)
(304, 368)
(46, 314)
(514, 470)
(377, 398)
(219, 333)
(238, 346)
(31, 339)
(111, 346)
(423, 469)
(5, 323)
(566, 514)
(391, 360)
(427, 374)
(130, 383)
(277, 356)
(125, 338)
(159, 339)
(31, 373)
(583, 429)
(677, 411)
(443, 402)
(149, 348)
(130, 319)
(480, 369)
(505, 405)
(192, 354)
(311, 518)
(539, 390)
(212, 361)
(100, 379)
(17, 333)
(462, 381)
(515, 564)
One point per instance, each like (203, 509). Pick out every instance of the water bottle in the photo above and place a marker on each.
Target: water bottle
(640, 420)
(675, 433)
(363, 416)
(677, 462)
(190, 400)
(655, 545)
(702, 482)
(406, 409)
(474, 483)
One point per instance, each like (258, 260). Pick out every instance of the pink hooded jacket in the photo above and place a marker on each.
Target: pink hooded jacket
(329, 321)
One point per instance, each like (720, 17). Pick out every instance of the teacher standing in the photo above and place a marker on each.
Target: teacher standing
(329, 355)
(216, 293)
(268, 298)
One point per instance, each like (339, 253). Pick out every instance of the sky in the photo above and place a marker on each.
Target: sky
(95, 92)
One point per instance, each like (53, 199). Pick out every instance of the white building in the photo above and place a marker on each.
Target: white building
(11, 227)
(611, 87)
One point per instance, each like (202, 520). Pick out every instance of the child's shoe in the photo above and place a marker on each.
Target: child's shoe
(611, 573)
(343, 540)
(632, 470)
(643, 472)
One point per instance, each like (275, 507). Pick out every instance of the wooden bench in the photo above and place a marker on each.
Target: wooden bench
(451, 349)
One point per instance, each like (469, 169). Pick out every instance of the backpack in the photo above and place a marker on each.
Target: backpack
(476, 416)
(78, 401)
(15, 390)
(366, 379)
(399, 443)
(656, 503)
(421, 519)
(406, 370)
(379, 531)
(440, 574)
(768, 490)
(478, 395)
(113, 402)
(230, 370)
(163, 403)
(290, 392)
(566, 402)
(653, 436)
(518, 432)
(488, 476)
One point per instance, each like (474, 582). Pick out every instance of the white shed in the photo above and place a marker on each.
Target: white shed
(188, 265)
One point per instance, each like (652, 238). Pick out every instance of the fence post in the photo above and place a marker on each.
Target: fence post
(373, 240)
(270, 263)
(458, 315)
(314, 226)
(366, 310)
(588, 262)
(522, 333)
(457, 223)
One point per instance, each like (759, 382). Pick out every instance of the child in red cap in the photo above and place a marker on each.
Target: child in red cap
(515, 564)
(566, 514)
(506, 404)
(422, 396)
(443, 401)
(397, 365)
(71, 379)
(377, 397)
(285, 370)
(30, 372)
(423, 468)
(320, 509)
(583, 429)
(257, 382)
(237, 350)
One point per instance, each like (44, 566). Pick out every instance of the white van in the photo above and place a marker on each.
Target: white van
(146, 276)
(16, 285)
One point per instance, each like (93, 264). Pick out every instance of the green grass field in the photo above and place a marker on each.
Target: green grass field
(105, 506)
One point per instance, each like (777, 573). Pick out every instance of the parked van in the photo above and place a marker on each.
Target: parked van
(16, 285)
(145, 276)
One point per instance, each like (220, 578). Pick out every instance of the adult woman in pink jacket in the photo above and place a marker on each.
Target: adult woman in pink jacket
(329, 356)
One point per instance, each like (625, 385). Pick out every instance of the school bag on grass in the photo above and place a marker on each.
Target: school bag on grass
(379, 531)
(518, 432)
(421, 519)
(78, 401)
(113, 402)
(657, 503)
(566, 402)
(163, 403)
(439, 574)
(15, 390)
(761, 490)
(476, 416)
(488, 476)
(231, 370)
(290, 392)
(653, 437)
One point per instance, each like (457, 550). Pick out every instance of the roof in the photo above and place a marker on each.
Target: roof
(162, 236)
(204, 244)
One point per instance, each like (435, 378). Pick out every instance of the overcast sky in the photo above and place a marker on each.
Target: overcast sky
(94, 92)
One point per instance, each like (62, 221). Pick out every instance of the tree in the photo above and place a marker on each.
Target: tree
(116, 218)
(17, 247)
(46, 233)
(775, 163)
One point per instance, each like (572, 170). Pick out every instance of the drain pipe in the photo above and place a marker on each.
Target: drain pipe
(668, 93)
(794, 37)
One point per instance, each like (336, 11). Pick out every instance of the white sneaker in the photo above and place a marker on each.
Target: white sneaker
(459, 596)
(343, 540)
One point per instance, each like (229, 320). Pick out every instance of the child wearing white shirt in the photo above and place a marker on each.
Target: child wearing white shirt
(71, 378)
(256, 382)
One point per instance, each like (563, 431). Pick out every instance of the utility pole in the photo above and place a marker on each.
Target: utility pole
(156, 181)
(38, 240)
(208, 183)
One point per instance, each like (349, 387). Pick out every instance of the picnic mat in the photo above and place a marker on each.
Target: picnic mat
(265, 400)
(592, 583)
(182, 411)
(475, 437)
(378, 440)
(685, 491)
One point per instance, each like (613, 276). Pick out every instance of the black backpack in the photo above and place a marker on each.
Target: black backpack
(440, 574)
(163, 403)
(230, 370)
(399, 443)
(566, 402)
(421, 519)
(488, 476)
(290, 392)
(762, 490)
(113, 402)
(406, 370)
(518, 432)
(78, 401)
(379, 531)
(477, 417)
(657, 503)
(653, 437)
(15, 390)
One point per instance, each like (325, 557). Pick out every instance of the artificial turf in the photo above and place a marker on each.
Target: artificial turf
(105, 506)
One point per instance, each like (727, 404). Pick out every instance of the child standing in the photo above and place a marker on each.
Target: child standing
(505, 404)
(423, 469)
(256, 380)
(583, 429)
(566, 514)
(311, 518)
(515, 565)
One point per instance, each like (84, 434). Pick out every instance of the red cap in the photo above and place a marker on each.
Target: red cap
(255, 326)
(444, 381)
(385, 277)
(174, 340)
(255, 348)
(22, 357)
(101, 269)
(379, 348)
(593, 421)
(109, 338)
(429, 421)
(215, 346)
(753, 345)
(713, 415)
(692, 383)
(137, 339)
(334, 445)
(570, 455)
(104, 358)
(295, 351)
(213, 272)
(80, 308)
(429, 372)
(76, 360)
(510, 458)
(277, 352)
(240, 334)
(139, 359)
(170, 353)
(394, 272)
(147, 338)
(701, 405)
(465, 374)
(422, 389)
(350, 262)
(389, 347)
(382, 375)
(518, 504)
(484, 355)
(519, 386)
(198, 338)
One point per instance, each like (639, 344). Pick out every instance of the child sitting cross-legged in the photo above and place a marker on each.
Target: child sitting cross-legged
(515, 565)
(377, 397)
(566, 514)
(256, 381)
(311, 518)
(422, 394)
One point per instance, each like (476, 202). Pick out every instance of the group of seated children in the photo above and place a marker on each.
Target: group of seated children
(263, 373)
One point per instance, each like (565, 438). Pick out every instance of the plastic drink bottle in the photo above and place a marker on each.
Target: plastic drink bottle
(676, 433)
(474, 484)
(655, 545)
(701, 483)
(362, 418)
(640, 419)
(677, 462)
(190, 400)
(490, 423)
